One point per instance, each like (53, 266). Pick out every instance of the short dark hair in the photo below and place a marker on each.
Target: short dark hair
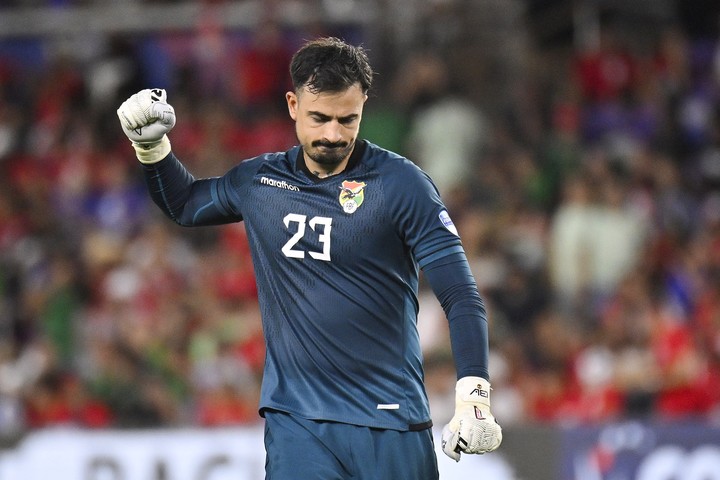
(330, 65)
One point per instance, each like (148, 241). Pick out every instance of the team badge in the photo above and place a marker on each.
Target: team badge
(352, 195)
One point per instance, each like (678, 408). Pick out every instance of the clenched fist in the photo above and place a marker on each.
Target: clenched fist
(146, 118)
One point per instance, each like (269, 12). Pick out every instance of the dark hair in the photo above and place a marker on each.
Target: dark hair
(330, 65)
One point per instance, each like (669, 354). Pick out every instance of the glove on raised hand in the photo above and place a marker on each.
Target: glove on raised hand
(146, 118)
(473, 428)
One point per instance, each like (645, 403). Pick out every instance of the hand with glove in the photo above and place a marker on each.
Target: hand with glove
(473, 428)
(146, 118)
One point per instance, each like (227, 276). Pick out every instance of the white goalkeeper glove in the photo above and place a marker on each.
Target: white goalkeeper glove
(473, 428)
(146, 118)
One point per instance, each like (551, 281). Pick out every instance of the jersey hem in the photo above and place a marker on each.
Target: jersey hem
(411, 427)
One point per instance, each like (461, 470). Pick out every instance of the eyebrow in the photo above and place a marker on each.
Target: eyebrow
(326, 118)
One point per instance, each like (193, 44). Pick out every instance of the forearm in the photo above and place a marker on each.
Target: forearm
(187, 201)
(454, 285)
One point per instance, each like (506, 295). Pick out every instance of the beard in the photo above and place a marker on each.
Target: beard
(328, 154)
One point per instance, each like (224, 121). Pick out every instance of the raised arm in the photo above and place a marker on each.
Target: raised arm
(146, 118)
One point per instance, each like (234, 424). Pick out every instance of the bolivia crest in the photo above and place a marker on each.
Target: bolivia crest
(352, 194)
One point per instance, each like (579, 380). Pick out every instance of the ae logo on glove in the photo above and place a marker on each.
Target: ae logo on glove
(478, 390)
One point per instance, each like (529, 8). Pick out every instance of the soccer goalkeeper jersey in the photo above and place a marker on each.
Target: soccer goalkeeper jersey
(336, 262)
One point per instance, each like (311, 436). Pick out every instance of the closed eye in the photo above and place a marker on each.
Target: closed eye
(322, 118)
(319, 117)
(348, 120)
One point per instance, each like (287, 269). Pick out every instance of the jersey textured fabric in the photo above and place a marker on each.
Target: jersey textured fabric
(336, 262)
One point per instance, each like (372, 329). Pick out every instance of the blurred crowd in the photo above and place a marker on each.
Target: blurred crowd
(589, 208)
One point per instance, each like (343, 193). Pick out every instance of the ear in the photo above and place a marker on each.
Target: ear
(292, 103)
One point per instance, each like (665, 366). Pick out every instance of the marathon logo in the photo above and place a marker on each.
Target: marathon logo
(278, 184)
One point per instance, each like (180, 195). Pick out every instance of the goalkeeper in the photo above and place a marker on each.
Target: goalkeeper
(338, 228)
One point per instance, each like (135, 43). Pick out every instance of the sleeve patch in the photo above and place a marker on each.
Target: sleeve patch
(447, 222)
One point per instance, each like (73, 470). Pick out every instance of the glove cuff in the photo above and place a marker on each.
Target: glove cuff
(473, 389)
(149, 153)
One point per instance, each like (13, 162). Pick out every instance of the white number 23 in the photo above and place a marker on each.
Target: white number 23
(324, 224)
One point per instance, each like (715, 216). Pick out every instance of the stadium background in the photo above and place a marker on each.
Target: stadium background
(577, 145)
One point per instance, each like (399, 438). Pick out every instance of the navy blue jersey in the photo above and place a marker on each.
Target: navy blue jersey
(336, 261)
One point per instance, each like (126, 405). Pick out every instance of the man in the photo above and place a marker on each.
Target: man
(338, 228)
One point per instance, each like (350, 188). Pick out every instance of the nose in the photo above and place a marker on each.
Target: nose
(332, 131)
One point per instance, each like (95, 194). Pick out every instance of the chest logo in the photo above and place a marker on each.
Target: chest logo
(352, 195)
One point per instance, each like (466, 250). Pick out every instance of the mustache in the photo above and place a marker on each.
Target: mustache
(320, 143)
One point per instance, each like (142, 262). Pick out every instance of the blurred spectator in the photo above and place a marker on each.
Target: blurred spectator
(440, 385)
(133, 396)
(616, 235)
(569, 250)
(446, 131)
(606, 70)
(223, 406)
(62, 400)
(261, 69)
